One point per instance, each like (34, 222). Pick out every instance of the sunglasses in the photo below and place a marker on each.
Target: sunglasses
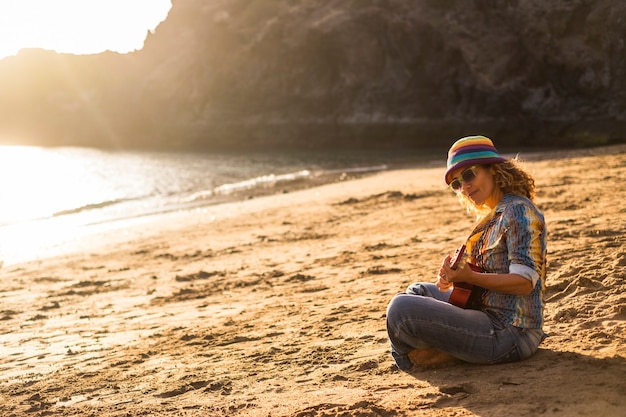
(467, 175)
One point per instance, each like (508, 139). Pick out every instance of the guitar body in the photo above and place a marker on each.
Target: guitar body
(461, 293)
(464, 295)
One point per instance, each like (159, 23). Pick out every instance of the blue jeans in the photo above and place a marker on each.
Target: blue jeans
(422, 318)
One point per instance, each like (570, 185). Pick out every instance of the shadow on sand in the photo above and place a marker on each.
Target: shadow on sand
(551, 383)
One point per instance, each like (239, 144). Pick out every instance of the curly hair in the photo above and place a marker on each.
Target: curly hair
(511, 178)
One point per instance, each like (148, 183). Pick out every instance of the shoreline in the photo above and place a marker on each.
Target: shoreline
(47, 236)
(105, 231)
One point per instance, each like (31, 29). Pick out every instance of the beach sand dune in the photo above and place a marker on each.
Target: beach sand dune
(275, 306)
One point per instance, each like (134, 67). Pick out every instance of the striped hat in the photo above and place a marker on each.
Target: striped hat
(471, 150)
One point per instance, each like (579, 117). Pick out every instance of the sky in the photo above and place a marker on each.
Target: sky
(78, 26)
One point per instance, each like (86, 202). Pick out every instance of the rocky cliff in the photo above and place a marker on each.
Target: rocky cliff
(312, 73)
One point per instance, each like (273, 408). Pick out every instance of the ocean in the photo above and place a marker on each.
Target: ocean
(53, 194)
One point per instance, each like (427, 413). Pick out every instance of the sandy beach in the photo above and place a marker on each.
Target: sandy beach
(275, 306)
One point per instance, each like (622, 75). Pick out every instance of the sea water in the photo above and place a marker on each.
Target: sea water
(50, 194)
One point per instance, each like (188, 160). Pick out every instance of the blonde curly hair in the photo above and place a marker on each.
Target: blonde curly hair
(511, 178)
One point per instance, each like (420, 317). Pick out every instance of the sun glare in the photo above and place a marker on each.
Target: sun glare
(78, 26)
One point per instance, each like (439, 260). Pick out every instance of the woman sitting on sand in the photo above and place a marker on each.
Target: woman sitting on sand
(506, 263)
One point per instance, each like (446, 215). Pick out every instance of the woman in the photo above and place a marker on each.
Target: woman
(506, 261)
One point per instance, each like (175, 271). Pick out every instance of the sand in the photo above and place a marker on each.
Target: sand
(275, 306)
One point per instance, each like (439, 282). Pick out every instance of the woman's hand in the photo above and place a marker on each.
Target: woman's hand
(443, 279)
(447, 276)
(506, 283)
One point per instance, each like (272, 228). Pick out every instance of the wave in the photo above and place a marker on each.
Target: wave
(359, 170)
(89, 207)
(272, 180)
(266, 181)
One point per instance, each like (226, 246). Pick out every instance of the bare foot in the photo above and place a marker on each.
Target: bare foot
(430, 358)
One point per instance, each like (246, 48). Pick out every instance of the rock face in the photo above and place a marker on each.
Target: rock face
(324, 73)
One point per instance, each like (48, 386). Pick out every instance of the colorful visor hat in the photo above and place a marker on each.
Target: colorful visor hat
(471, 150)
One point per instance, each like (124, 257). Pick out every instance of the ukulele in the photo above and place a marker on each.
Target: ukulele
(462, 291)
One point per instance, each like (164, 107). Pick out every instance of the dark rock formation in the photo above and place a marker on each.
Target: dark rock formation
(314, 73)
